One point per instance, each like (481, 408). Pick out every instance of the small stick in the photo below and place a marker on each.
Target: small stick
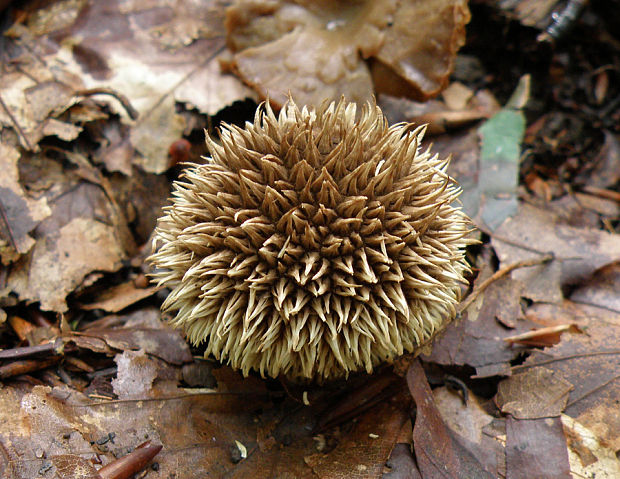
(540, 332)
(499, 274)
(25, 366)
(15, 124)
(131, 111)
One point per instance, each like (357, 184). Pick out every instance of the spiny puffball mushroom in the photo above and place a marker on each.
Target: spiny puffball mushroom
(313, 244)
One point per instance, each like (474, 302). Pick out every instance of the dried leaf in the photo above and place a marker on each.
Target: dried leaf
(74, 467)
(467, 424)
(156, 56)
(536, 448)
(164, 343)
(588, 455)
(279, 46)
(19, 214)
(476, 339)
(590, 362)
(579, 251)
(536, 393)
(437, 453)
(119, 297)
(364, 451)
(401, 464)
(61, 260)
(601, 289)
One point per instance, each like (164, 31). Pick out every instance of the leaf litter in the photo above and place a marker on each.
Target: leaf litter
(92, 100)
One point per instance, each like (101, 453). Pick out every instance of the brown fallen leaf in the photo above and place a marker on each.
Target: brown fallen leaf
(536, 448)
(73, 466)
(153, 56)
(543, 336)
(437, 453)
(458, 109)
(402, 464)
(165, 342)
(578, 251)
(119, 297)
(601, 289)
(476, 339)
(468, 424)
(280, 46)
(534, 394)
(365, 449)
(588, 455)
(590, 362)
(377, 389)
(19, 213)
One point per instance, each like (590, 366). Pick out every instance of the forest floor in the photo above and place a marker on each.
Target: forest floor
(101, 103)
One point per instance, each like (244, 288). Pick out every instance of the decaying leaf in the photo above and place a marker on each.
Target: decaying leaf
(476, 339)
(155, 54)
(58, 264)
(536, 448)
(438, 453)
(589, 456)
(468, 424)
(119, 297)
(590, 362)
(20, 213)
(534, 232)
(404, 47)
(534, 394)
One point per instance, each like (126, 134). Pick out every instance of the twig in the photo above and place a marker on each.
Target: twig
(602, 193)
(592, 391)
(15, 124)
(9, 230)
(500, 273)
(541, 332)
(131, 111)
(564, 358)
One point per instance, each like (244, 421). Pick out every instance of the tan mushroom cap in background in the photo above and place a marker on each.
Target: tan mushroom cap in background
(313, 244)
(319, 49)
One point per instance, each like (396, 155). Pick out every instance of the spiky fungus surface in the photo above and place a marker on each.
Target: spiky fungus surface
(313, 243)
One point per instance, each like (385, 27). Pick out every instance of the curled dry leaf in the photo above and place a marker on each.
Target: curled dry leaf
(19, 213)
(322, 50)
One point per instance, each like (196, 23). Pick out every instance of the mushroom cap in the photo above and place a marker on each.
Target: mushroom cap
(313, 244)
